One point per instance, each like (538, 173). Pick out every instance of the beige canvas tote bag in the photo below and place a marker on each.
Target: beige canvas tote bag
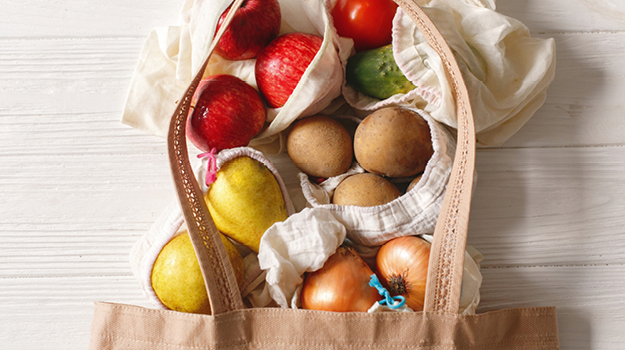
(233, 326)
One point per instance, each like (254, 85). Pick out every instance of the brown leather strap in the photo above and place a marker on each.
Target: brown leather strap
(447, 257)
(221, 285)
(446, 264)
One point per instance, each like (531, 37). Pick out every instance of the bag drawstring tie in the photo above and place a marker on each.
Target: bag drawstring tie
(211, 166)
(392, 302)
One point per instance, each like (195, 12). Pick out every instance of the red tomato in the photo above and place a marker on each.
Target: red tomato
(368, 22)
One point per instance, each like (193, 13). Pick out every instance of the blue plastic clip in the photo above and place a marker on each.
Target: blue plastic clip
(392, 302)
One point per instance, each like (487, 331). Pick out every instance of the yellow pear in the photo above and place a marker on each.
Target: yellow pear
(245, 200)
(177, 279)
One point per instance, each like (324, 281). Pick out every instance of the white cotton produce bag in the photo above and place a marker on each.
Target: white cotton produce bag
(507, 72)
(288, 249)
(172, 55)
(171, 222)
(413, 213)
(303, 243)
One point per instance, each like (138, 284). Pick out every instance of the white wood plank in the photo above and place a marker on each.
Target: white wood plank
(118, 18)
(105, 188)
(555, 206)
(56, 313)
(77, 215)
(31, 254)
(44, 78)
(566, 15)
(589, 300)
(585, 101)
(98, 18)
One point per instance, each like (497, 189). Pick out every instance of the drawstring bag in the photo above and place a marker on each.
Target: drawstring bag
(231, 325)
(171, 223)
(507, 72)
(413, 213)
(172, 54)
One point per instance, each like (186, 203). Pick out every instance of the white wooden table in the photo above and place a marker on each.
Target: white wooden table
(77, 188)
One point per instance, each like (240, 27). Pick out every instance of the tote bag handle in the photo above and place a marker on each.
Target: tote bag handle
(444, 283)
(448, 247)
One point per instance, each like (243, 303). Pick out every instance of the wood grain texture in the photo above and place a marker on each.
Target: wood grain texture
(79, 19)
(555, 206)
(589, 300)
(56, 312)
(119, 18)
(574, 16)
(77, 188)
(584, 105)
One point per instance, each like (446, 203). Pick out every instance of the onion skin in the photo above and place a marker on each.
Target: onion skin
(341, 285)
(402, 265)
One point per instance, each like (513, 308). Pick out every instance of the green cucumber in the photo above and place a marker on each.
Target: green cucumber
(375, 73)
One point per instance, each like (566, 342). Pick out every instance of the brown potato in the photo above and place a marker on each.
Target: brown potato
(365, 190)
(320, 146)
(414, 182)
(393, 142)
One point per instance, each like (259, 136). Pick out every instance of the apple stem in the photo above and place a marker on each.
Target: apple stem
(211, 166)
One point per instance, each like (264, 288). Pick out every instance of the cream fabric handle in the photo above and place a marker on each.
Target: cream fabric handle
(447, 257)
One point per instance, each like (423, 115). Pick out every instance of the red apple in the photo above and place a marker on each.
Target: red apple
(227, 112)
(281, 64)
(253, 26)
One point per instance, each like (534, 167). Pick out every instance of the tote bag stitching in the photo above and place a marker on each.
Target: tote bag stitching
(548, 338)
(447, 267)
(189, 192)
(189, 318)
(277, 312)
(405, 344)
(238, 341)
(445, 262)
(544, 337)
(186, 181)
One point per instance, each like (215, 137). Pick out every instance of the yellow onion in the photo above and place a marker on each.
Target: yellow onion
(342, 284)
(402, 265)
